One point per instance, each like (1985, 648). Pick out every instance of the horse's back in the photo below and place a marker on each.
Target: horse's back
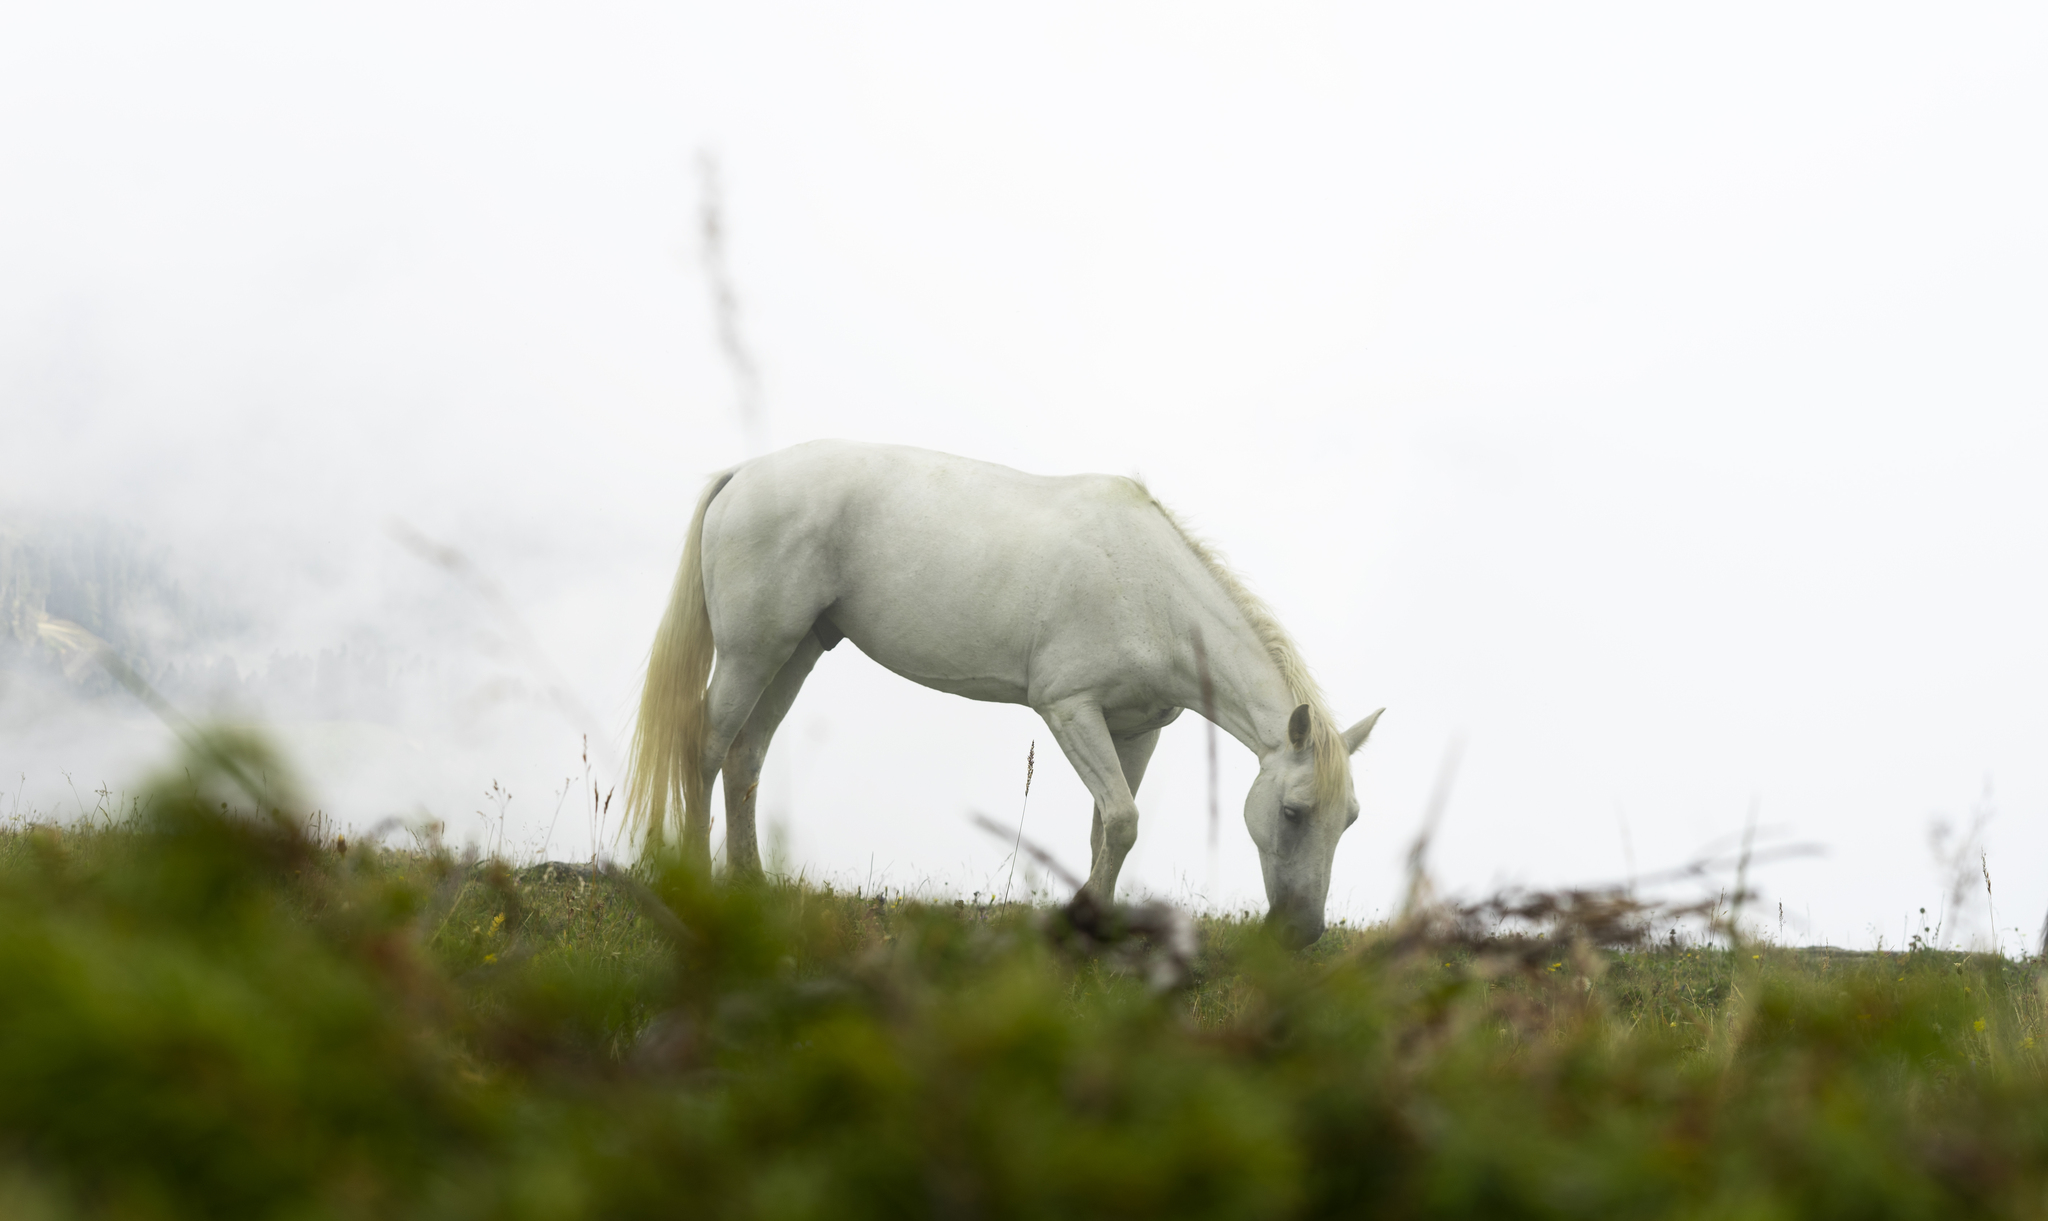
(950, 571)
(867, 498)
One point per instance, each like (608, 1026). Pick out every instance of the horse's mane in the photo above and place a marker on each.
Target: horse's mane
(1333, 761)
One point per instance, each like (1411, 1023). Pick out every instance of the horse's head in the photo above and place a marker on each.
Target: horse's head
(1301, 802)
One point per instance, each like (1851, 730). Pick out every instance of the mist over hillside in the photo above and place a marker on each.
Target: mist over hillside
(404, 717)
(66, 581)
(1674, 446)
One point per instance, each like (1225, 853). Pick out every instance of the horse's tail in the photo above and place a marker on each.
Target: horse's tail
(667, 759)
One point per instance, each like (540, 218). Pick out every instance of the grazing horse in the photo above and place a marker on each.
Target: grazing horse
(1081, 597)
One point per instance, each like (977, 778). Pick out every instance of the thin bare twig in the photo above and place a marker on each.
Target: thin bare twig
(1421, 893)
(195, 739)
(1030, 765)
(725, 305)
(1208, 716)
(1038, 854)
(465, 570)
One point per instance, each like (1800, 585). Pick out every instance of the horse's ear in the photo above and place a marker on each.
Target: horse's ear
(1355, 736)
(1297, 728)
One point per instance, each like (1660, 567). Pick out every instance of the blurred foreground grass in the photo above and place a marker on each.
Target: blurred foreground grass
(203, 1013)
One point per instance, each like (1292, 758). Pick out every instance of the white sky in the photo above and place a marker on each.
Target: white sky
(1654, 399)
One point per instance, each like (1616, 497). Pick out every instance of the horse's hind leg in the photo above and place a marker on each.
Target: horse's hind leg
(748, 662)
(744, 757)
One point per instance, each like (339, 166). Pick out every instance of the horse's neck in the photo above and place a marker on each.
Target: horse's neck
(1250, 698)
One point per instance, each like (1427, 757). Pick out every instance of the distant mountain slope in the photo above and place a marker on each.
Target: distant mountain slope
(66, 580)
(99, 575)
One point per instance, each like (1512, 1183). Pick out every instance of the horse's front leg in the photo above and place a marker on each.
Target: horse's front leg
(1132, 754)
(1079, 729)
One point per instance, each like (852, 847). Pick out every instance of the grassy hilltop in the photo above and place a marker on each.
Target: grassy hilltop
(206, 1013)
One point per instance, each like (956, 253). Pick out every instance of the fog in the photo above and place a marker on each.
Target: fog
(1650, 402)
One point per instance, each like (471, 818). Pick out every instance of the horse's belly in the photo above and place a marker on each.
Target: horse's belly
(926, 659)
(960, 636)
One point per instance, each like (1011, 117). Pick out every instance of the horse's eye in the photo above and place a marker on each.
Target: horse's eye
(1293, 813)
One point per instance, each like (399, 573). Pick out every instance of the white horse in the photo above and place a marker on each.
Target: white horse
(1081, 597)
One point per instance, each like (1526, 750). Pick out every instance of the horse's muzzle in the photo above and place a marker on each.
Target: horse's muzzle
(1296, 925)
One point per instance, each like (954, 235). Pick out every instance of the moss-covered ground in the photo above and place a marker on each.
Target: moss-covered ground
(206, 1013)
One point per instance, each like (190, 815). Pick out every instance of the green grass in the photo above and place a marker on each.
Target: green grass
(206, 1014)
